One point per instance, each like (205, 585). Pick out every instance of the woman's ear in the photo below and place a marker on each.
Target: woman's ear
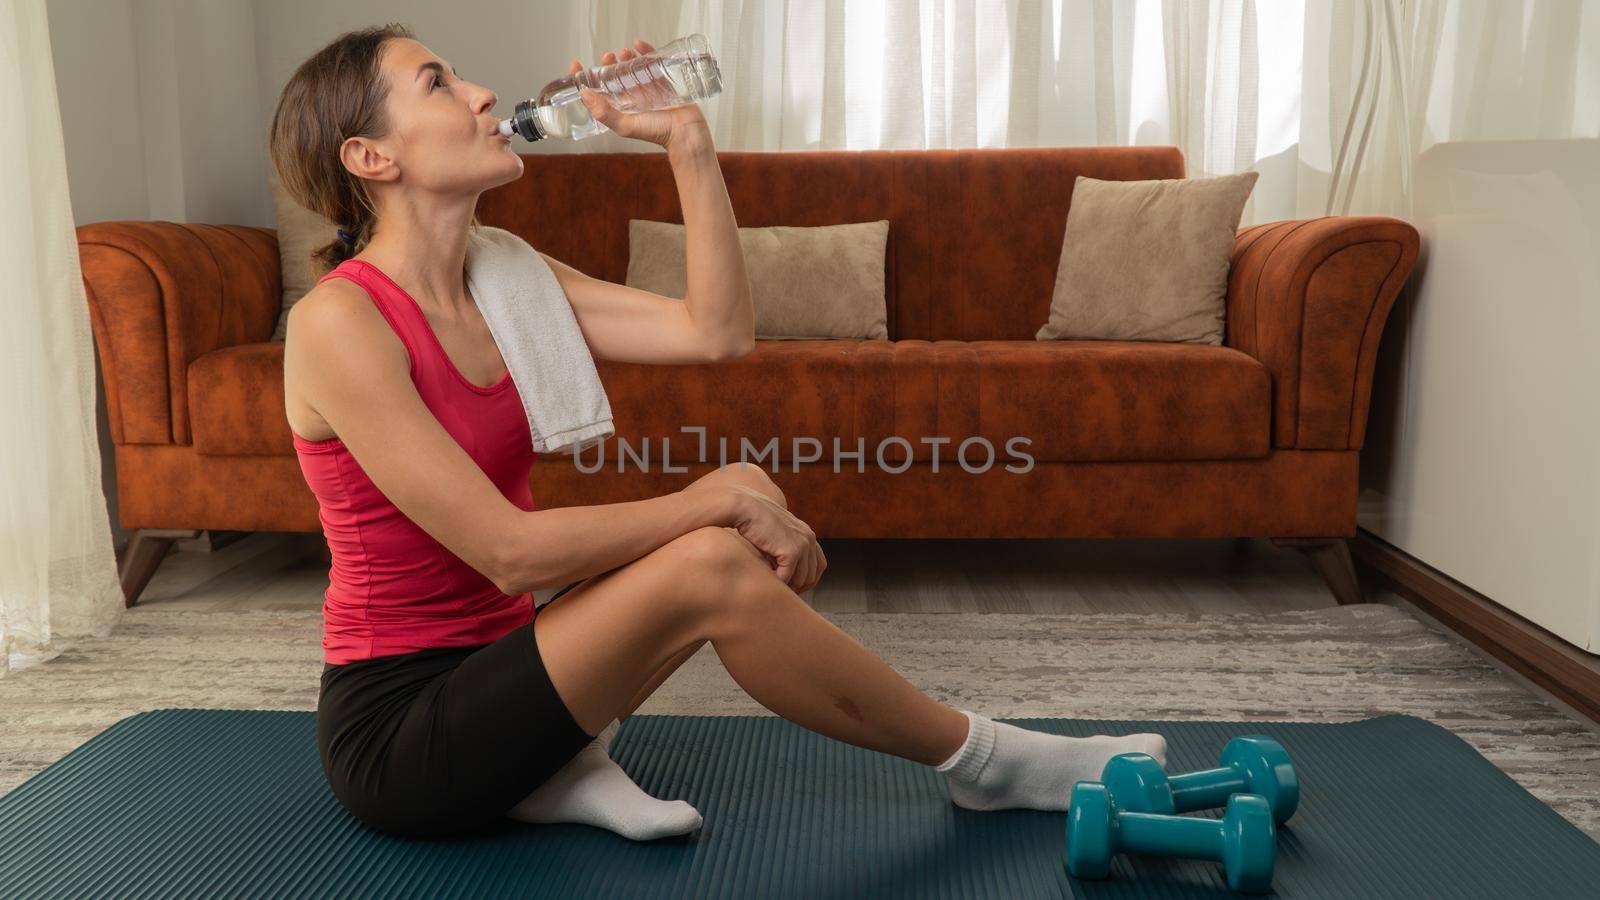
(365, 160)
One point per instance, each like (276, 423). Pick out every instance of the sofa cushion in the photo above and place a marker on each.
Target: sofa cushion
(1117, 400)
(1147, 260)
(236, 401)
(825, 281)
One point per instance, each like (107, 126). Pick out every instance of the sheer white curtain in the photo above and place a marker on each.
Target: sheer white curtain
(1387, 79)
(912, 74)
(1330, 100)
(57, 571)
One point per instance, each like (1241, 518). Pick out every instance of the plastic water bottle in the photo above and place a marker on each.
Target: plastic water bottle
(680, 72)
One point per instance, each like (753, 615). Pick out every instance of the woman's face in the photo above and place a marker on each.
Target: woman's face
(443, 135)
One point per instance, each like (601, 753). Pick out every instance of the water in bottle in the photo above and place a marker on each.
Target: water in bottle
(680, 72)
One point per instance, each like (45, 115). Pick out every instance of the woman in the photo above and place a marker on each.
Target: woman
(446, 702)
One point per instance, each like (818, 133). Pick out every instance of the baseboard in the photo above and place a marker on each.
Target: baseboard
(1543, 658)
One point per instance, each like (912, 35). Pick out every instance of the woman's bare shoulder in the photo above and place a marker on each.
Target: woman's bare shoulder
(334, 332)
(336, 312)
(333, 297)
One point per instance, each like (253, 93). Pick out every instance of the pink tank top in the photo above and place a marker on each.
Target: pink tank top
(392, 587)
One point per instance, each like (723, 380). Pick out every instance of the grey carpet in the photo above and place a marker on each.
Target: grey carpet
(1320, 666)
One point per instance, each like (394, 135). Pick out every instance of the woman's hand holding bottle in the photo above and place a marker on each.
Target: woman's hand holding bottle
(676, 125)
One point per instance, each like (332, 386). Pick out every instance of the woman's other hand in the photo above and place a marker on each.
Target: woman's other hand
(658, 126)
(789, 543)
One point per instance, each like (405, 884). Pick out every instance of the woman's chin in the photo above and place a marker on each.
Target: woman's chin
(503, 173)
(509, 170)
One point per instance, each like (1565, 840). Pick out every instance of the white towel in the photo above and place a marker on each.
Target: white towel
(538, 336)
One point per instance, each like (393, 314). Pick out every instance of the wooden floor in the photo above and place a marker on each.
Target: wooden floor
(281, 571)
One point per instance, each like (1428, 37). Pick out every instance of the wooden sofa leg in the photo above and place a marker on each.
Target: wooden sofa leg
(144, 553)
(1332, 558)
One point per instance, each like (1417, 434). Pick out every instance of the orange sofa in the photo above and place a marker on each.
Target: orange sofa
(1259, 437)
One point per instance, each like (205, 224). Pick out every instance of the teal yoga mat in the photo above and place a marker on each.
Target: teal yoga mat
(223, 803)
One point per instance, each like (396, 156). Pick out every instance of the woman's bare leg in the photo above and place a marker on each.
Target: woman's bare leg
(755, 477)
(751, 476)
(606, 640)
(661, 675)
(799, 665)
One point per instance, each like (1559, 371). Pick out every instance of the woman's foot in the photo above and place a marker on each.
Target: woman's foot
(591, 789)
(1002, 766)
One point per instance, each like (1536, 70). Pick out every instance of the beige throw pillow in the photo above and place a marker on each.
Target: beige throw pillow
(824, 281)
(1147, 260)
(300, 232)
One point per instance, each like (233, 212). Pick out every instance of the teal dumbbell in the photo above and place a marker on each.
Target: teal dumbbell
(1253, 764)
(1244, 841)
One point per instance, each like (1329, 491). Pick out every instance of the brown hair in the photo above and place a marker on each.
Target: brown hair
(337, 94)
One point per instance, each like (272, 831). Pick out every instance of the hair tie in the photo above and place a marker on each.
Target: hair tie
(347, 237)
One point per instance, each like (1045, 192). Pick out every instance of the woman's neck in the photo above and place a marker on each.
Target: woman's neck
(422, 246)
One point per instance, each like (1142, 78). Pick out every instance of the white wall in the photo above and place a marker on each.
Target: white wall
(166, 103)
(213, 145)
(160, 109)
(96, 67)
(1483, 459)
(513, 48)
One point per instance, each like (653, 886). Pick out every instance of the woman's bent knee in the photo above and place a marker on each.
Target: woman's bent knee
(715, 550)
(718, 568)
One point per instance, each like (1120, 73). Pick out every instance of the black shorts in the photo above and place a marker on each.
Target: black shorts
(444, 740)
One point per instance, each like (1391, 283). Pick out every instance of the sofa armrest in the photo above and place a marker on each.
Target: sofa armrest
(1308, 299)
(161, 294)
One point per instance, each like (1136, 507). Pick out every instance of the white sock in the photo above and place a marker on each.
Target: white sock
(1002, 766)
(591, 789)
